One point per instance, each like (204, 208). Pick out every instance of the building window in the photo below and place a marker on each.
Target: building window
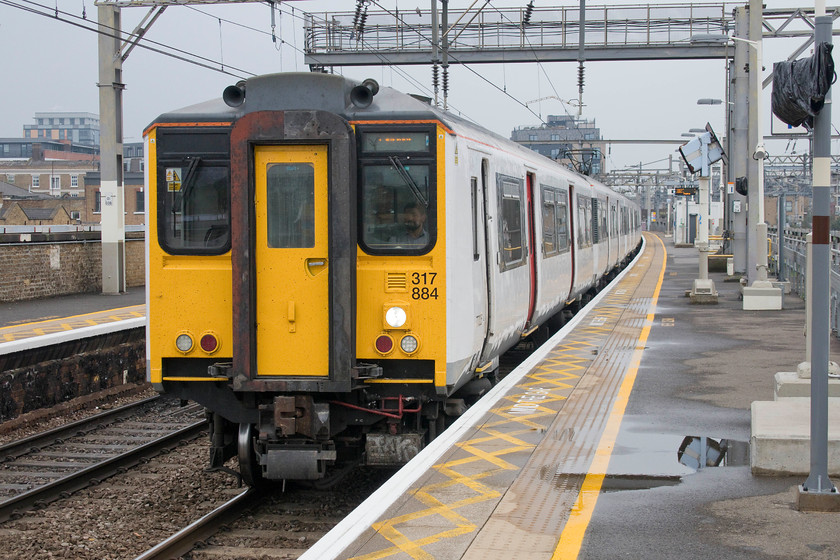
(555, 137)
(140, 204)
(532, 137)
(75, 215)
(97, 203)
(55, 183)
(36, 181)
(10, 178)
(74, 181)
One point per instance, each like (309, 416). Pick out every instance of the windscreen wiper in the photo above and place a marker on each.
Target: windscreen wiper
(189, 178)
(408, 181)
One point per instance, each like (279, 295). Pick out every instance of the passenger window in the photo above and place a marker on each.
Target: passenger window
(510, 224)
(290, 201)
(562, 222)
(194, 206)
(584, 222)
(549, 218)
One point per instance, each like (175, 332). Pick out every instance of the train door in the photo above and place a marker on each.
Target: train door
(573, 236)
(291, 260)
(532, 244)
(481, 299)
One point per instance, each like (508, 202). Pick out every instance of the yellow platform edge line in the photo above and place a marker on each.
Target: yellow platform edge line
(117, 309)
(571, 539)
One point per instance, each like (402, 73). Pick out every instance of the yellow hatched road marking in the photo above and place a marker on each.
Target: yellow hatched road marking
(565, 363)
(538, 398)
(571, 538)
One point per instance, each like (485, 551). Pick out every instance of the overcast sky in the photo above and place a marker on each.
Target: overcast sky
(51, 65)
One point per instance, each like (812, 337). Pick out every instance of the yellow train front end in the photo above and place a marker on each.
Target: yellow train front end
(189, 264)
(297, 275)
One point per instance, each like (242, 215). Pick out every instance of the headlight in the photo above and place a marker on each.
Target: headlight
(396, 317)
(184, 342)
(409, 344)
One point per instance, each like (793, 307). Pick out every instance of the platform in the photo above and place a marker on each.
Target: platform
(592, 450)
(36, 318)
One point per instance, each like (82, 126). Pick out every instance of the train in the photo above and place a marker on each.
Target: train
(334, 269)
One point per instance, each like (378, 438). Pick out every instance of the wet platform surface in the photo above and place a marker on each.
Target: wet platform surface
(33, 318)
(595, 453)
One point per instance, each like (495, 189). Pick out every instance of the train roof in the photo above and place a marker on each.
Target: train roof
(312, 91)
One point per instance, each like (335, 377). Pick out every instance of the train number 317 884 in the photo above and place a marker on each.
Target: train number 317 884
(423, 285)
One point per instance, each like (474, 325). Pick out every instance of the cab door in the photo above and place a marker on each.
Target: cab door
(291, 258)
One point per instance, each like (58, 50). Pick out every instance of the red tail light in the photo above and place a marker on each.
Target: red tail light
(384, 344)
(209, 343)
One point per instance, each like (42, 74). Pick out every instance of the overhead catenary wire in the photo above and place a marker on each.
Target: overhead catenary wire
(479, 75)
(145, 43)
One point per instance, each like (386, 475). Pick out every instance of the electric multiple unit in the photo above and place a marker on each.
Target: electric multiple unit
(334, 269)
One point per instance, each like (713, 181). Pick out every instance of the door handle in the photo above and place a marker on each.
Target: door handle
(316, 266)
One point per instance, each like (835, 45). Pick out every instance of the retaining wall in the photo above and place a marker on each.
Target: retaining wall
(36, 265)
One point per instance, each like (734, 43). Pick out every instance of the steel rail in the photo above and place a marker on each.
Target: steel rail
(26, 445)
(185, 540)
(95, 473)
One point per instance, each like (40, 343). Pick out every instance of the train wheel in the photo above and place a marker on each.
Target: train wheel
(249, 465)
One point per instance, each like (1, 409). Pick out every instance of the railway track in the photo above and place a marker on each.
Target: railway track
(281, 525)
(44, 467)
(270, 522)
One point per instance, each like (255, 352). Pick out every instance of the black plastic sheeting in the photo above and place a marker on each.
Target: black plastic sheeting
(800, 86)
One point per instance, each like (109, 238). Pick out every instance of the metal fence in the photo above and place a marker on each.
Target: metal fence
(795, 267)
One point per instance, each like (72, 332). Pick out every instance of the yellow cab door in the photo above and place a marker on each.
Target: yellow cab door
(291, 257)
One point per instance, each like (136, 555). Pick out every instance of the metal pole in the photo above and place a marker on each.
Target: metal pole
(818, 481)
(581, 55)
(110, 151)
(780, 273)
(738, 155)
(755, 196)
(703, 231)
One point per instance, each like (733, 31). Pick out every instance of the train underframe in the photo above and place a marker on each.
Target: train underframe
(305, 436)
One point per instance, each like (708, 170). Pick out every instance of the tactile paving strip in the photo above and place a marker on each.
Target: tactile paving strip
(63, 324)
(506, 490)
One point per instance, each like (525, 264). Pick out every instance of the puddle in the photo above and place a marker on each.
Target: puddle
(617, 483)
(697, 450)
(643, 460)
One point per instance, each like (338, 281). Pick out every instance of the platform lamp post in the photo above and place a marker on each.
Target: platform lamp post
(699, 155)
(760, 294)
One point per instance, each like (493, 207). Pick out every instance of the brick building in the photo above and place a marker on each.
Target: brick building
(133, 198)
(56, 178)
